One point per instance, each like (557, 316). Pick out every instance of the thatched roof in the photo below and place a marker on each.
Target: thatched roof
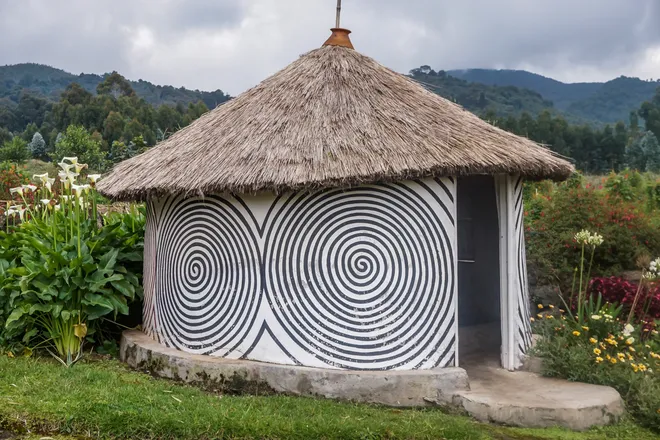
(332, 118)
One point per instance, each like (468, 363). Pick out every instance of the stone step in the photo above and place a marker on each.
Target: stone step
(529, 400)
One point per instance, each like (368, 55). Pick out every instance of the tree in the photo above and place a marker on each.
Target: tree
(116, 86)
(5, 135)
(76, 141)
(651, 150)
(15, 150)
(38, 146)
(29, 131)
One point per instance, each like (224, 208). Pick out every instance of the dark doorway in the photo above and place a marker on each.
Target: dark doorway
(478, 270)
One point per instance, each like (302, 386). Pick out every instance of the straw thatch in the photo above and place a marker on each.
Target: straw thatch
(332, 118)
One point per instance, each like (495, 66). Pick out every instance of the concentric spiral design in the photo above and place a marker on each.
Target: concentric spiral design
(364, 278)
(209, 280)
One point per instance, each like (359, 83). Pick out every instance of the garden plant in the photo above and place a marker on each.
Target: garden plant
(63, 267)
(606, 334)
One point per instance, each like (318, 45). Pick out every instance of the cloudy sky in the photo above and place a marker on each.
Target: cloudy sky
(233, 44)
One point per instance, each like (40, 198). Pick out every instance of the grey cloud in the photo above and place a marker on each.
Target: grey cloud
(233, 44)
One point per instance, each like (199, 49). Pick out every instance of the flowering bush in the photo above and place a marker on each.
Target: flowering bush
(11, 176)
(604, 350)
(620, 291)
(61, 269)
(554, 213)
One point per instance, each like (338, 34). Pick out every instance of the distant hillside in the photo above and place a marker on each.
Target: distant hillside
(51, 82)
(604, 102)
(480, 98)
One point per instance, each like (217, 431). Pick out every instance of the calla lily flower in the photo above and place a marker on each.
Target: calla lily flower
(79, 167)
(49, 183)
(79, 189)
(21, 213)
(46, 202)
(17, 190)
(29, 188)
(57, 207)
(72, 160)
(94, 177)
(66, 167)
(66, 198)
(41, 177)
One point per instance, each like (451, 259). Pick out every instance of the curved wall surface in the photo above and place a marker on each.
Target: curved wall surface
(362, 278)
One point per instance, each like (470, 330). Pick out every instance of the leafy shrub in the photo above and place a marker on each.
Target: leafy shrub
(62, 271)
(16, 150)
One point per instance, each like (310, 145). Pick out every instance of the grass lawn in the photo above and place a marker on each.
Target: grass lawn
(103, 399)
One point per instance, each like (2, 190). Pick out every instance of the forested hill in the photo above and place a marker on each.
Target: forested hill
(51, 82)
(607, 102)
(480, 98)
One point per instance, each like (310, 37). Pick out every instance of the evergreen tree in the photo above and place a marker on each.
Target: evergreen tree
(38, 146)
(651, 150)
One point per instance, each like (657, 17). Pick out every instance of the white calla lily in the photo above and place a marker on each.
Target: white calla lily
(49, 183)
(29, 188)
(79, 167)
(66, 167)
(94, 177)
(72, 160)
(41, 177)
(18, 190)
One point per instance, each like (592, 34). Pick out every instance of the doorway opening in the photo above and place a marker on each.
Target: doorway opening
(479, 314)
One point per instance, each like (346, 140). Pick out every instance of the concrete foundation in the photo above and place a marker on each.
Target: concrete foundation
(492, 394)
(393, 388)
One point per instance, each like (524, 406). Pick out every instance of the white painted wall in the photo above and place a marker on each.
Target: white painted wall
(354, 279)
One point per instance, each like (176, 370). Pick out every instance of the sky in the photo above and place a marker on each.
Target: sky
(234, 44)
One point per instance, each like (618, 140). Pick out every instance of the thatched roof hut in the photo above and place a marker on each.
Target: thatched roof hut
(332, 118)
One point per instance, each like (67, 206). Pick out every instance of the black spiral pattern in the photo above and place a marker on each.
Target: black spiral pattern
(364, 278)
(149, 270)
(523, 319)
(209, 280)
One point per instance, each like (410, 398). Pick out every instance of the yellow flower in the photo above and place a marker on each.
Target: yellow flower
(621, 356)
(634, 367)
(532, 319)
(10, 354)
(631, 349)
(551, 306)
(642, 367)
(630, 341)
(599, 360)
(585, 328)
(630, 358)
(539, 316)
(608, 357)
(540, 306)
(597, 351)
(593, 340)
(613, 360)
(549, 317)
(576, 333)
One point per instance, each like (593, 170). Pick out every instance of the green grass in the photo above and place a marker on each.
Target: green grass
(103, 399)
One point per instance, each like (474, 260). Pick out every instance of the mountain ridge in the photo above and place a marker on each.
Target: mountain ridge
(607, 102)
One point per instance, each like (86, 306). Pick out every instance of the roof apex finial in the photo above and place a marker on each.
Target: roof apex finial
(339, 38)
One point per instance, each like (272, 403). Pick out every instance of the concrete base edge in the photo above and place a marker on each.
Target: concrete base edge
(393, 388)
